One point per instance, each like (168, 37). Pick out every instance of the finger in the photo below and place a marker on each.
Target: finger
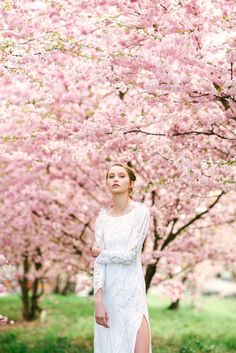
(104, 323)
(102, 320)
(94, 251)
(106, 319)
(98, 321)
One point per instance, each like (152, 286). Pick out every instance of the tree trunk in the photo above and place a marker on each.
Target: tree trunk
(56, 289)
(151, 270)
(69, 286)
(24, 291)
(64, 285)
(30, 293)
(174, 305)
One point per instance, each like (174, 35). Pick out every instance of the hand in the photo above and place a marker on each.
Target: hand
(95, 250)
(101, 315)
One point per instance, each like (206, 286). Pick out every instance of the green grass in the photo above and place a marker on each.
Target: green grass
(68, 326)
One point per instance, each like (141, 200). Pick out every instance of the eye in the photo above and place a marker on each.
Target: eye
(112, 176)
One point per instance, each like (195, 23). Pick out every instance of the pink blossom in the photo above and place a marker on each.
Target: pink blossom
(2, 289)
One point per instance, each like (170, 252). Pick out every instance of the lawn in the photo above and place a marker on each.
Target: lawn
(68, 326)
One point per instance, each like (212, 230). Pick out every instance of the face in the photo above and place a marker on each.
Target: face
(118, 175)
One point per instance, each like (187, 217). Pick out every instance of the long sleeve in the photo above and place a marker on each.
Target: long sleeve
(99, 269)
(139, 233)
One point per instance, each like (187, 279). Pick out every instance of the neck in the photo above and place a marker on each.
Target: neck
(121, 202)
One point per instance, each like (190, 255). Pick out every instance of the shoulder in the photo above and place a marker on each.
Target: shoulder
(141, 208)
(100, 214)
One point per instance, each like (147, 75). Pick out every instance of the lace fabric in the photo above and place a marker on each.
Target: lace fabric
(99, 273)
(139, 233)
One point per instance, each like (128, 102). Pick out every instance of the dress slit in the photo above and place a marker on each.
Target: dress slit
(149, 331)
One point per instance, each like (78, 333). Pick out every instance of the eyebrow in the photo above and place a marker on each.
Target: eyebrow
(118, 173)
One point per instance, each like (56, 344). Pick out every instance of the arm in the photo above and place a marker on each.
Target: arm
(141, 226)
(99, 269)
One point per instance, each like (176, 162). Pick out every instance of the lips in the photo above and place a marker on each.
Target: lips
(115, 185)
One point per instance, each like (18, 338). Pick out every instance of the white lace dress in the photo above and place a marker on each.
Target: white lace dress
(118, 271)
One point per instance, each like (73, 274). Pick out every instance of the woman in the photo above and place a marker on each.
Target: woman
(121, 314)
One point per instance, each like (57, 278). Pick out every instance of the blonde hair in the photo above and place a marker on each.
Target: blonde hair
(132, 176)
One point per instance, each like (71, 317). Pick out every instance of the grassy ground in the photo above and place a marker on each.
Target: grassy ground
(68, 326)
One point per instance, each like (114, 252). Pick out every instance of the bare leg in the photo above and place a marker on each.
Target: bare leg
(142, 339)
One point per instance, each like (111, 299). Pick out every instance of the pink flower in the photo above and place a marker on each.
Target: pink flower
(2, 260)
(2, 289)
(3, 320)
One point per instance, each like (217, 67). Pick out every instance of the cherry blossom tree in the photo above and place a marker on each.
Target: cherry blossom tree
(42, 231)
(3, 318)
(84, 84)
